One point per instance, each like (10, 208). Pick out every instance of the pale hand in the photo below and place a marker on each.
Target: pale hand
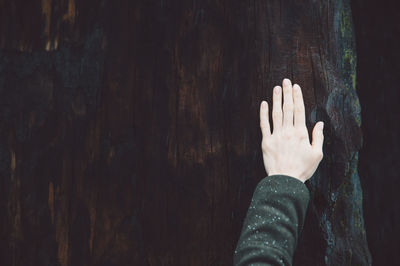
(287, 151)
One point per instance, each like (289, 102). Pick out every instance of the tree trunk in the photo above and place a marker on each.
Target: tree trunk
(130, 129)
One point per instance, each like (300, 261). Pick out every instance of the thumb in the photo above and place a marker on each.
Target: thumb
(318, 136)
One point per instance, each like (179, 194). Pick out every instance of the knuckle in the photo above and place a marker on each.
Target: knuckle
(320, 155)
(303, 137)
(288, 107)
(302, 131)
(264, 146)
(288, 134)
(299, 108)
(276, 114)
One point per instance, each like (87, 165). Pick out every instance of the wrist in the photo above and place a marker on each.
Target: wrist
(300, 178)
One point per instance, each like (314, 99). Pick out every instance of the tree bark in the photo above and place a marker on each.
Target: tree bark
(130, 129)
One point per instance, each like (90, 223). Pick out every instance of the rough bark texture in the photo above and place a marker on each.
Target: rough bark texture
(130, 131)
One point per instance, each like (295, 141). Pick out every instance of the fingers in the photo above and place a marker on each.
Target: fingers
(318, 138)
(264, 119)
(287, 103)
(277, 109)
(299, 111)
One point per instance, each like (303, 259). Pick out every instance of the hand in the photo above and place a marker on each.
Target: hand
(288, 150)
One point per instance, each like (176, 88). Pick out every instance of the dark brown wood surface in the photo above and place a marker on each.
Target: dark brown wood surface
(130, 131)
(377, 31)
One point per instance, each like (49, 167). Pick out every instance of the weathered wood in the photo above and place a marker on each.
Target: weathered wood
(130, 132)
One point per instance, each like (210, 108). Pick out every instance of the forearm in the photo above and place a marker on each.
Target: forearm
(273, 222)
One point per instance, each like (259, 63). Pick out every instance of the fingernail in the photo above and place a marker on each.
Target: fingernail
(277, 89)
(321, 125)
(263, 104)
(286, 81)
(296, 87)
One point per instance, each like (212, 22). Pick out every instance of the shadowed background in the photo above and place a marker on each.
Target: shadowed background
(129, 130)
(377, 31)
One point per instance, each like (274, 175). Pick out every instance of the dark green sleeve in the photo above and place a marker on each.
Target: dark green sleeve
(273, 222)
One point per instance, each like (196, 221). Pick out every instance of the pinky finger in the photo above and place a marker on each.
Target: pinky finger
(264, 119)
